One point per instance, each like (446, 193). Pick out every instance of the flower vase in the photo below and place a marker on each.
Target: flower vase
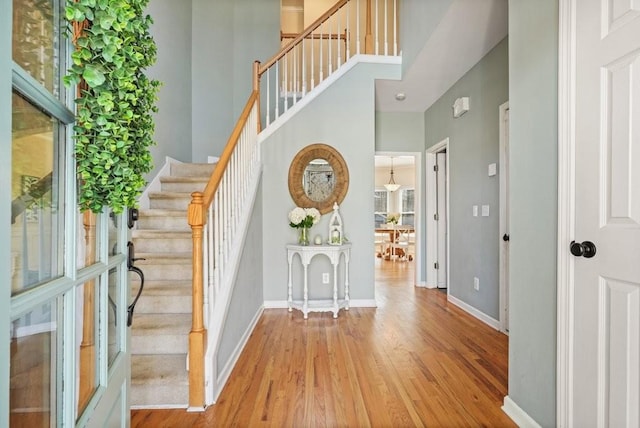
(303, 237)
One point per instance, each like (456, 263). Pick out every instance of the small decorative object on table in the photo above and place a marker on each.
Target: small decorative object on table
(302, 219)
(393, 218)
(336, 236)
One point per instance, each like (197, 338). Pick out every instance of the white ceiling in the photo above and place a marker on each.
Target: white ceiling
(467, 32)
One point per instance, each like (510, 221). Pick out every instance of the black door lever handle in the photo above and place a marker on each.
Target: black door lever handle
(131, 259)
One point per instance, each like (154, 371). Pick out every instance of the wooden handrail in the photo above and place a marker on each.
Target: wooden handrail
(216, 176)
(302, 36)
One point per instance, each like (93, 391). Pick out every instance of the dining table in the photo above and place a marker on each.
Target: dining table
(394, 234)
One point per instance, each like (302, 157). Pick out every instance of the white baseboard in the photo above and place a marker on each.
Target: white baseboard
(430, 286)
(224, 374)
(275, 304)
(353, 303)
(155, 185)
(517, 415)
(491, 322)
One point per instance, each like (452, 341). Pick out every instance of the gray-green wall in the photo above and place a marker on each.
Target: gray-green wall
(206, 51)
(343, 117)
(228, 35)
(533, 68)
(473, 145)
(172, 33)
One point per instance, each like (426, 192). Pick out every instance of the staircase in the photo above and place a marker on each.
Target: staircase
(162, 318)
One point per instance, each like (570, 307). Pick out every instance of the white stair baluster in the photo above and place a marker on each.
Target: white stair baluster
(386, 34)
(277, 92)
(357, 27)
(267, 116)
(376, 33)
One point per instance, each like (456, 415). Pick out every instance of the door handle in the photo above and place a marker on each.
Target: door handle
(586, 249)
(505, 237)
(131, 259)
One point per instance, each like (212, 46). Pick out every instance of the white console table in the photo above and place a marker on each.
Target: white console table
(307, 253)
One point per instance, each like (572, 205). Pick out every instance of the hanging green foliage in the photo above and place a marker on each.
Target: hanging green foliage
(114, 124)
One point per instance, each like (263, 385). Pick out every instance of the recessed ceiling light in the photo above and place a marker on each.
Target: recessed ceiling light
(400, 96)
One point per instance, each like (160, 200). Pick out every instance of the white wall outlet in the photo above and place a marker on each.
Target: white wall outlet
(476, 283)
(325, 278)
(485, 211)
(492, 169)
(475, 211)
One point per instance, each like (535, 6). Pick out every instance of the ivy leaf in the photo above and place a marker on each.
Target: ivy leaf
(93, 76)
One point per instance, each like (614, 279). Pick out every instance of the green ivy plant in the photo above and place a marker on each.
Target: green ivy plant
(114, 124)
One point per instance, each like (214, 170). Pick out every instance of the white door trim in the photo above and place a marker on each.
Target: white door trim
(504, 252)
(432, 225)
(566, 210)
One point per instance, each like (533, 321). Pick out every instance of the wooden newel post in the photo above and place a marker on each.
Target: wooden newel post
(368, 37)
(256, 87)
(198, 334)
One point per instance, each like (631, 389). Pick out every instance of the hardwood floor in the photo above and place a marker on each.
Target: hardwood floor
(413, 361)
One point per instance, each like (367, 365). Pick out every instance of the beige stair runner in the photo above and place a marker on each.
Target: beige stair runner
(162, 319)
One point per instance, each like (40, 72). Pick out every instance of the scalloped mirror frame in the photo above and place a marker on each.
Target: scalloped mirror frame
(298, 166)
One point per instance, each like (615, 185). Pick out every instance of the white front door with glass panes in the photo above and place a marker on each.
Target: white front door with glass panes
(68, 356)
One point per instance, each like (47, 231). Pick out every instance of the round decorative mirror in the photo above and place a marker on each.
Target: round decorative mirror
(318, 177)
(318, 180)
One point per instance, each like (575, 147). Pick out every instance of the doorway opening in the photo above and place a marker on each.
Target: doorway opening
(397, 209)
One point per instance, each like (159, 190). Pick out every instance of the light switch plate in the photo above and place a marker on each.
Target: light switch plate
(492, 169)
(475, 211)
(485, 211)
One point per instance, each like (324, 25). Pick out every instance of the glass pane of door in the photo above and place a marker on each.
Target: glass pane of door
(33, 368)
(36, 209)
(88, 350)
(36, 40)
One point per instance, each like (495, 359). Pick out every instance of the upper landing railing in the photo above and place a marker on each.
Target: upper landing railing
(350, 27)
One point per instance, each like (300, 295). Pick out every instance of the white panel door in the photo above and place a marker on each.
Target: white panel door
(606, 289)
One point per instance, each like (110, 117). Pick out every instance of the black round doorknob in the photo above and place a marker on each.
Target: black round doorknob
(586, 249)
(505, 237)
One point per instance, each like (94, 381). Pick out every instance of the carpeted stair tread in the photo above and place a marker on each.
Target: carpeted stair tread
(159, 369)
(162, 324)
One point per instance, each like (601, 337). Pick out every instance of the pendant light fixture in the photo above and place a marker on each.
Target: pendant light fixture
(391, 185)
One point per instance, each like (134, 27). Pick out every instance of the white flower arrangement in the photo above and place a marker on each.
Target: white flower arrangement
(393, 218)
(303, 217)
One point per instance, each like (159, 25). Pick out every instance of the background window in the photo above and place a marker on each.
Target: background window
(407, 207)
(380, 204)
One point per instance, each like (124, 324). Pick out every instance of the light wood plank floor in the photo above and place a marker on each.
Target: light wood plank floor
(416, 360)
